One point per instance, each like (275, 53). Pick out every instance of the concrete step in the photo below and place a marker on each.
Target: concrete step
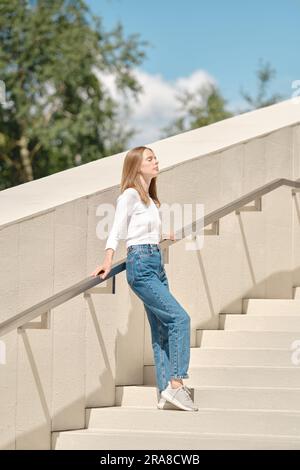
(102, 439)
(233, 421)
(296, 292)
(245, 339)
(247, 376)
(216, 397)
(260, 323)
(271, 306)
(247, 357)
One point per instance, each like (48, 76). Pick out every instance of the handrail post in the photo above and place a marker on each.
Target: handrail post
(44, 324)
(214, 230)
(109, 288)
(256, 207)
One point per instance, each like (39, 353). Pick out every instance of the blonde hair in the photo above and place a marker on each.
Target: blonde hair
(130, 175)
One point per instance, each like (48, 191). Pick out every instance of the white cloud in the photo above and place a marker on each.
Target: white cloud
(157, 105)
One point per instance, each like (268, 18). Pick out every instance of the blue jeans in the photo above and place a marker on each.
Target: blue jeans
(169, 322)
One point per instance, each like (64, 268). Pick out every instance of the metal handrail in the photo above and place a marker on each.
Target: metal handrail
(61, 297)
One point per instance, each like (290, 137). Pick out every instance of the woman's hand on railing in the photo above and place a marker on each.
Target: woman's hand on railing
(102, 270)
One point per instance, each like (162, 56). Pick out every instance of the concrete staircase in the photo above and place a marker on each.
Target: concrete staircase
(245, 379)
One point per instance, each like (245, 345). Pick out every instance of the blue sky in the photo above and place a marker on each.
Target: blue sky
(223, 40)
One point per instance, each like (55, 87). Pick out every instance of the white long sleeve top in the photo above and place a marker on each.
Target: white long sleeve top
(134, 221)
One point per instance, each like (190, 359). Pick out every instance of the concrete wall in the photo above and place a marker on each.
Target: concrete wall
(48, 242)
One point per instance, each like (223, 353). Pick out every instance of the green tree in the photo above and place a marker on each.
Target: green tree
(198, 109)
(207, 105)
(264, 74)
(57, 112)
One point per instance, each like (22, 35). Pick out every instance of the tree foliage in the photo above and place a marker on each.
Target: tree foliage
(198, 109)
(57, 113)
(207, 105)
(264, 74)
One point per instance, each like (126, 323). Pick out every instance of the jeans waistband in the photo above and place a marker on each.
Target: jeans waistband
(145, 247)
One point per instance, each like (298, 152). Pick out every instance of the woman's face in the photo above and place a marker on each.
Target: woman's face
(149, 166)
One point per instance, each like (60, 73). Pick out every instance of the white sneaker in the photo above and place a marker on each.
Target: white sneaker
(163, 404)
(181, 397)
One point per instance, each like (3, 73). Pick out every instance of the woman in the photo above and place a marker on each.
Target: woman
(137, 219)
